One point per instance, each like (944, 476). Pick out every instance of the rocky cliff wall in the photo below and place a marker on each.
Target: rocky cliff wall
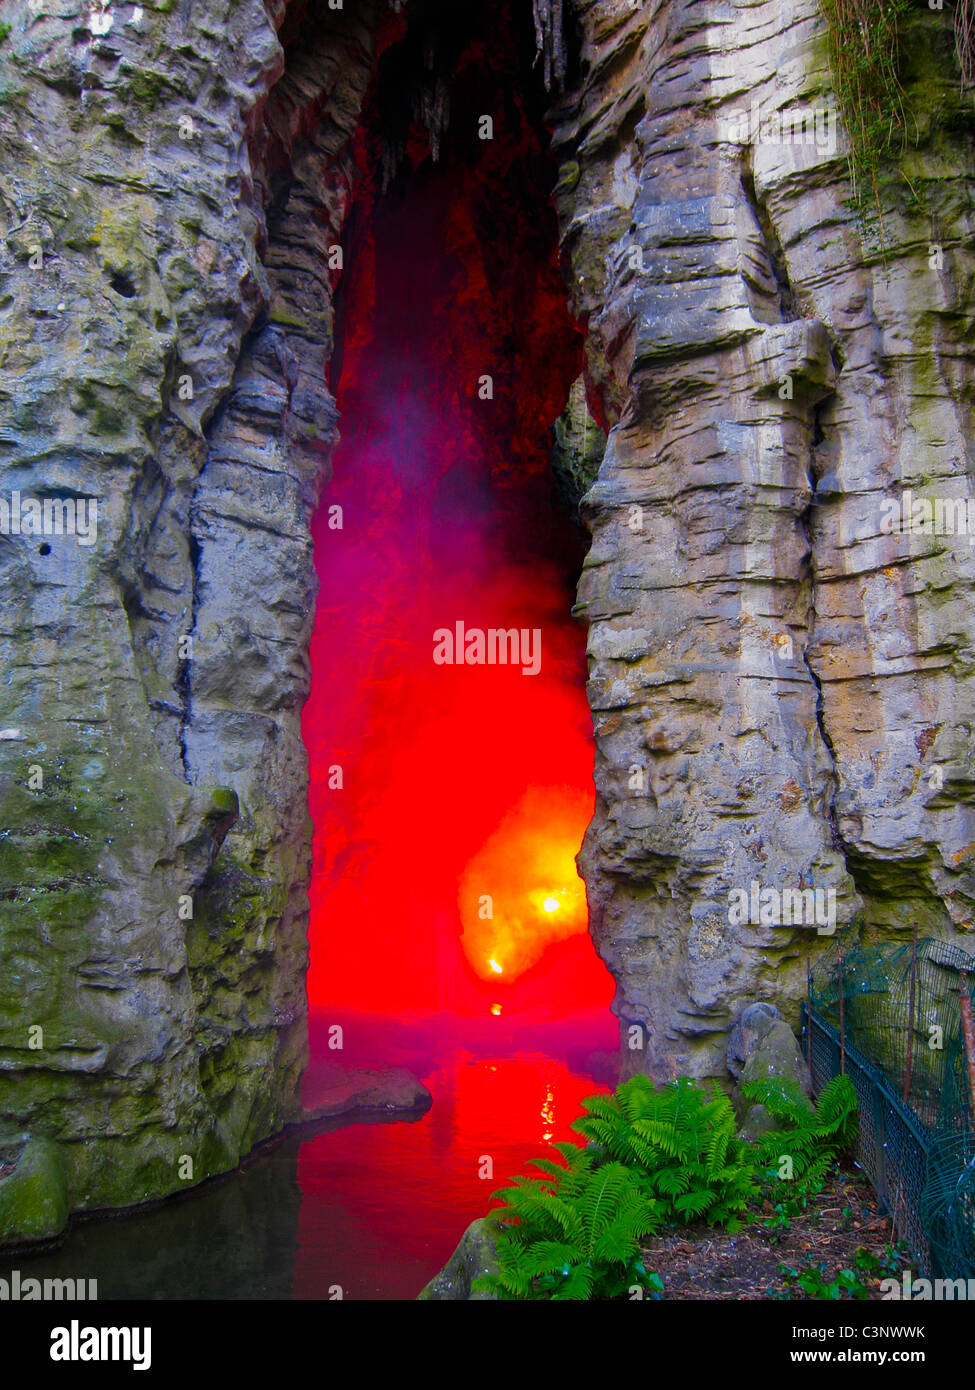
(781, 688)
(167, 198)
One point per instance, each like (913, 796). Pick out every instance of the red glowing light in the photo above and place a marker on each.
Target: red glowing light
(455, 779)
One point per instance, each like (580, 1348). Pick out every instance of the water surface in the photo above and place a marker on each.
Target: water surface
(369, 1210)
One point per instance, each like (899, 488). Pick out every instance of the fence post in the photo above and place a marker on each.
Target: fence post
(839, 964)
(908, 1074)
(808, 1021)
(968, 1033)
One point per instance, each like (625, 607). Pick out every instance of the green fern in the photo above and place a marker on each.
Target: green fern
(655, 1156)
(811, 1136)
(681, 1143)
(580, 1242)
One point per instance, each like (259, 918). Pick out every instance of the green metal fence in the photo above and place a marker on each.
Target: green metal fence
(892, 1017)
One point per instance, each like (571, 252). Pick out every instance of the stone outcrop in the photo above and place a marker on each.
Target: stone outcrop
(342, 1090)
(474, 1257)
(167, 197)
(33, 1196)
(763, 1047)
(780, 689)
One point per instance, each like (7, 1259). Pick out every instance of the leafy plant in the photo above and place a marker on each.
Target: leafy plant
(813, 1281)
(681, 1143)
(810, 1136)
(575, 1235)
(783, 1214)
(887, 1263)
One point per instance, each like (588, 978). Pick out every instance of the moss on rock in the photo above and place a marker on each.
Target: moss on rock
(34, 1197)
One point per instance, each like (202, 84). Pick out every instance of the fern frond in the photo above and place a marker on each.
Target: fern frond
(577, 1287)
(671, 1181)
(554, 1170)
(695, 1204)
(548, 1257)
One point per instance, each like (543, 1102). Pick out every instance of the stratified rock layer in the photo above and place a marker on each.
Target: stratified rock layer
(774, 681)
(165, 318)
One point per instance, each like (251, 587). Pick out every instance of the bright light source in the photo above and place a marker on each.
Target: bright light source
(537, 897)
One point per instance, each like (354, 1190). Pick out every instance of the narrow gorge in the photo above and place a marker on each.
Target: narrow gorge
(198, 251)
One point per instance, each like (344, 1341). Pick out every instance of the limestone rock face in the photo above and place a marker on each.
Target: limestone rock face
(167, 199)
(781, 689)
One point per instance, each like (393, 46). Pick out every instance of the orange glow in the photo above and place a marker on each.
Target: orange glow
(449, 515)
(504, 913)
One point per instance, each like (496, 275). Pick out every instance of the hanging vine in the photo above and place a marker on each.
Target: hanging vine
(965, 40)
(873, 48)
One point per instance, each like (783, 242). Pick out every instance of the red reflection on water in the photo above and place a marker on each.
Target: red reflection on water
(383, 1206)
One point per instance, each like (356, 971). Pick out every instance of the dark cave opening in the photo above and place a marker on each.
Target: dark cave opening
(450, 795)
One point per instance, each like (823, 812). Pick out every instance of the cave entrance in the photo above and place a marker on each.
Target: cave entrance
(448, 731)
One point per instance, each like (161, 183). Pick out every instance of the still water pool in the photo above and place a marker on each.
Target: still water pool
(369, 1210)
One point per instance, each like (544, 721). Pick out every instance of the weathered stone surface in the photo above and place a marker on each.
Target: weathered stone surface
(340, 1090)
(165, 316)
(751, 1027)
(777, 1056)
(773, 678)
(474, 1256)
(34, 1197)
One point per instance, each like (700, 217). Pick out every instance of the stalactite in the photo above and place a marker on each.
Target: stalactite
(550, 41)
(429, 101)
(431, 107)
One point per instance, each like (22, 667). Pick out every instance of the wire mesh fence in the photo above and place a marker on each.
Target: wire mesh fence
(898, 1020)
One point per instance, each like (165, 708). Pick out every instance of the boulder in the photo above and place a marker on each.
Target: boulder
(474, 1256)
(34, 1197)
(763, 1046)
(751, 1025)
(341, 1090)
(777, 1054)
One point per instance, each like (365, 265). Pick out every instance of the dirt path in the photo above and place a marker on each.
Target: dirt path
(704, 1263)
